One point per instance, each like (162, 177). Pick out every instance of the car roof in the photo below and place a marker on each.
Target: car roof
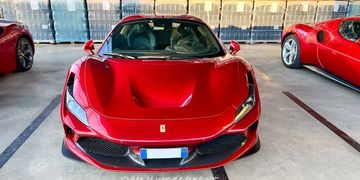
(156, 16)
(352, 18)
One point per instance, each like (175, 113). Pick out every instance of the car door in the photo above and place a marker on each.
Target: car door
(338, 49)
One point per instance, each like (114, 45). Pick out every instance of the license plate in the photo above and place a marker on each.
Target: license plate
(163, 153)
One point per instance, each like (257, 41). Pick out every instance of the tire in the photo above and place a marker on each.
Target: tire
(290, 52)
(253, 150)
(24, 55)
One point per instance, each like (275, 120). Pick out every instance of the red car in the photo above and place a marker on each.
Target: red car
(16, 47)
(161, 94)
(331, 48)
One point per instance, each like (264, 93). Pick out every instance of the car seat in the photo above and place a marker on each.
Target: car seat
(141, 37)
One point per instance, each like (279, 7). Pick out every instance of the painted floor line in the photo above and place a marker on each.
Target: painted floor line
(352, 142)
(20, 140)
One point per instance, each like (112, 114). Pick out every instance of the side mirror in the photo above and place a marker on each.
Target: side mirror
(234, 47)
(89, 47)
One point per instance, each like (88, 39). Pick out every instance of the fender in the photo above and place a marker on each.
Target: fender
(8, 41)
(306, 35)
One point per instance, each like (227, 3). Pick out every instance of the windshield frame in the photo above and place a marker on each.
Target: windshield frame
(222, 49)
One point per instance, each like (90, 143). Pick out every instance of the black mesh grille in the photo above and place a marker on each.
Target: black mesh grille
(221, 144)
(102, 147)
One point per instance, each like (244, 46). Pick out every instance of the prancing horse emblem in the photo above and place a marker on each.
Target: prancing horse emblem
(162, 128)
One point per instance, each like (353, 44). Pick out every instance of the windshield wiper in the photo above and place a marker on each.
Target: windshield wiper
(154, 57)
(166, 57)
(120, 55)
(182, 57)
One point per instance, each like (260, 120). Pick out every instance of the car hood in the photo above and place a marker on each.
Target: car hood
(146, 89)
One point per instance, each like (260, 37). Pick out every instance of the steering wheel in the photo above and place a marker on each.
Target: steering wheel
(188, 45)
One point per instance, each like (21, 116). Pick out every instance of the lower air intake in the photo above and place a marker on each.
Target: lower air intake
(102, 147)
(221, 144)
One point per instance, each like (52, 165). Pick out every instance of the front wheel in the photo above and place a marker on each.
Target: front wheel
(24, 55)
(290, 52)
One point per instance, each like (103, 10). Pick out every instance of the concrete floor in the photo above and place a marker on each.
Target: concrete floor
(294, 144)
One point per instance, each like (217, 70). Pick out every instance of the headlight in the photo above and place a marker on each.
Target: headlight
(250, 101)
(74, 107)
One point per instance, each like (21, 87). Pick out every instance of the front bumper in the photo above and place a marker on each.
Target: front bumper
(130, 160)
(127, 157)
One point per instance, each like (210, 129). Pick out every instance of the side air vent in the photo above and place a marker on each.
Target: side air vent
(250, 78)
(1, 30)
(70, 83)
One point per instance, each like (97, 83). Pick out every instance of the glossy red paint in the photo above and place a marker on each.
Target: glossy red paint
(12, 31)
(126, 101)
(335, 54)
(234, 47)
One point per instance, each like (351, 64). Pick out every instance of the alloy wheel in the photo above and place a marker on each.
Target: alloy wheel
(25, 53)
(289, 51)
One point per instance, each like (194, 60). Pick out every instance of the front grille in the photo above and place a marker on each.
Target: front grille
(116, 155)
(221, 144)
(102, 147)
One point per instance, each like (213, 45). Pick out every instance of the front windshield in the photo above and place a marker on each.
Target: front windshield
(161, 38)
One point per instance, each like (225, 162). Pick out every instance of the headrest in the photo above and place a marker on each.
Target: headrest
(356, 28)
(141, 27)
(185, 30)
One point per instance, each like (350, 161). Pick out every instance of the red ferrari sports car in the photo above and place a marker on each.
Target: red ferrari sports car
(161, 94)
(16, 47)
(330, 48)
